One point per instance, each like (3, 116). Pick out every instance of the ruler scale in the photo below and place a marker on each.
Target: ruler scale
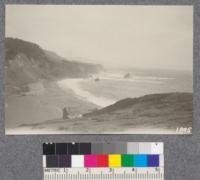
(110, 161)
(121, 173)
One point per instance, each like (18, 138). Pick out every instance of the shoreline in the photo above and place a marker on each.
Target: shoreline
(74, 85)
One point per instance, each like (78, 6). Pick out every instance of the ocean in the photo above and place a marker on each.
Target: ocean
(108, 87)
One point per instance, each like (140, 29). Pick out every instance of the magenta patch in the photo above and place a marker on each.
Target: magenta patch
(90, 160)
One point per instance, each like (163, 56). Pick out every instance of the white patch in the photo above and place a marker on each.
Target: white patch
(77, 160)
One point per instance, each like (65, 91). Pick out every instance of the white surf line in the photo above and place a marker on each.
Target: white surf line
(73, 84)
(135, 80)
(138, 79)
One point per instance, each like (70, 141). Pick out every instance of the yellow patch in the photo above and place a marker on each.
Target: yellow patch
(114, 160)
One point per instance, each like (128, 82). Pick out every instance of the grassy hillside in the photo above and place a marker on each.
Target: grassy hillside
(150, 114)
(157, 110)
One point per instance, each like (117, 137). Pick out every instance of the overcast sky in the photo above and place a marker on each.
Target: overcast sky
(133, 36)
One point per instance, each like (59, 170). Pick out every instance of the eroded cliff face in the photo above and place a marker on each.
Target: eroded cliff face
(27, 62)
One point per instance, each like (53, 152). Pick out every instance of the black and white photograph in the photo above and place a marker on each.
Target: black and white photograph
(98, 69)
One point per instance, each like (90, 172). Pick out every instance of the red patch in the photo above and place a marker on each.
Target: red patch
(102, 160)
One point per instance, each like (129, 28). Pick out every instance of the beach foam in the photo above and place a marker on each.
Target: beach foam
(73, 84)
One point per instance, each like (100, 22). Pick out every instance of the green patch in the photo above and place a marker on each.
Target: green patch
(127, 160)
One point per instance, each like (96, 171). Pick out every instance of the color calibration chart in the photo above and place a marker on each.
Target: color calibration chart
(103, 161)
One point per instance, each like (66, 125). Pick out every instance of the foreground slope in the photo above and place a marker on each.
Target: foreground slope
(150, 114)
(168, 111)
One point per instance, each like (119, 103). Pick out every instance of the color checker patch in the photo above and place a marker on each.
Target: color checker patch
(153, 160)
(140, 160)
(127, 160)
(103, 155)
(102, 160)
(77, 160)
(114, 160)
(90, 161)
(52, 161)
(64, 161)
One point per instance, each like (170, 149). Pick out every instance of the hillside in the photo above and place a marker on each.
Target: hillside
(168, 111)
(27, 62)
(150, 114)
